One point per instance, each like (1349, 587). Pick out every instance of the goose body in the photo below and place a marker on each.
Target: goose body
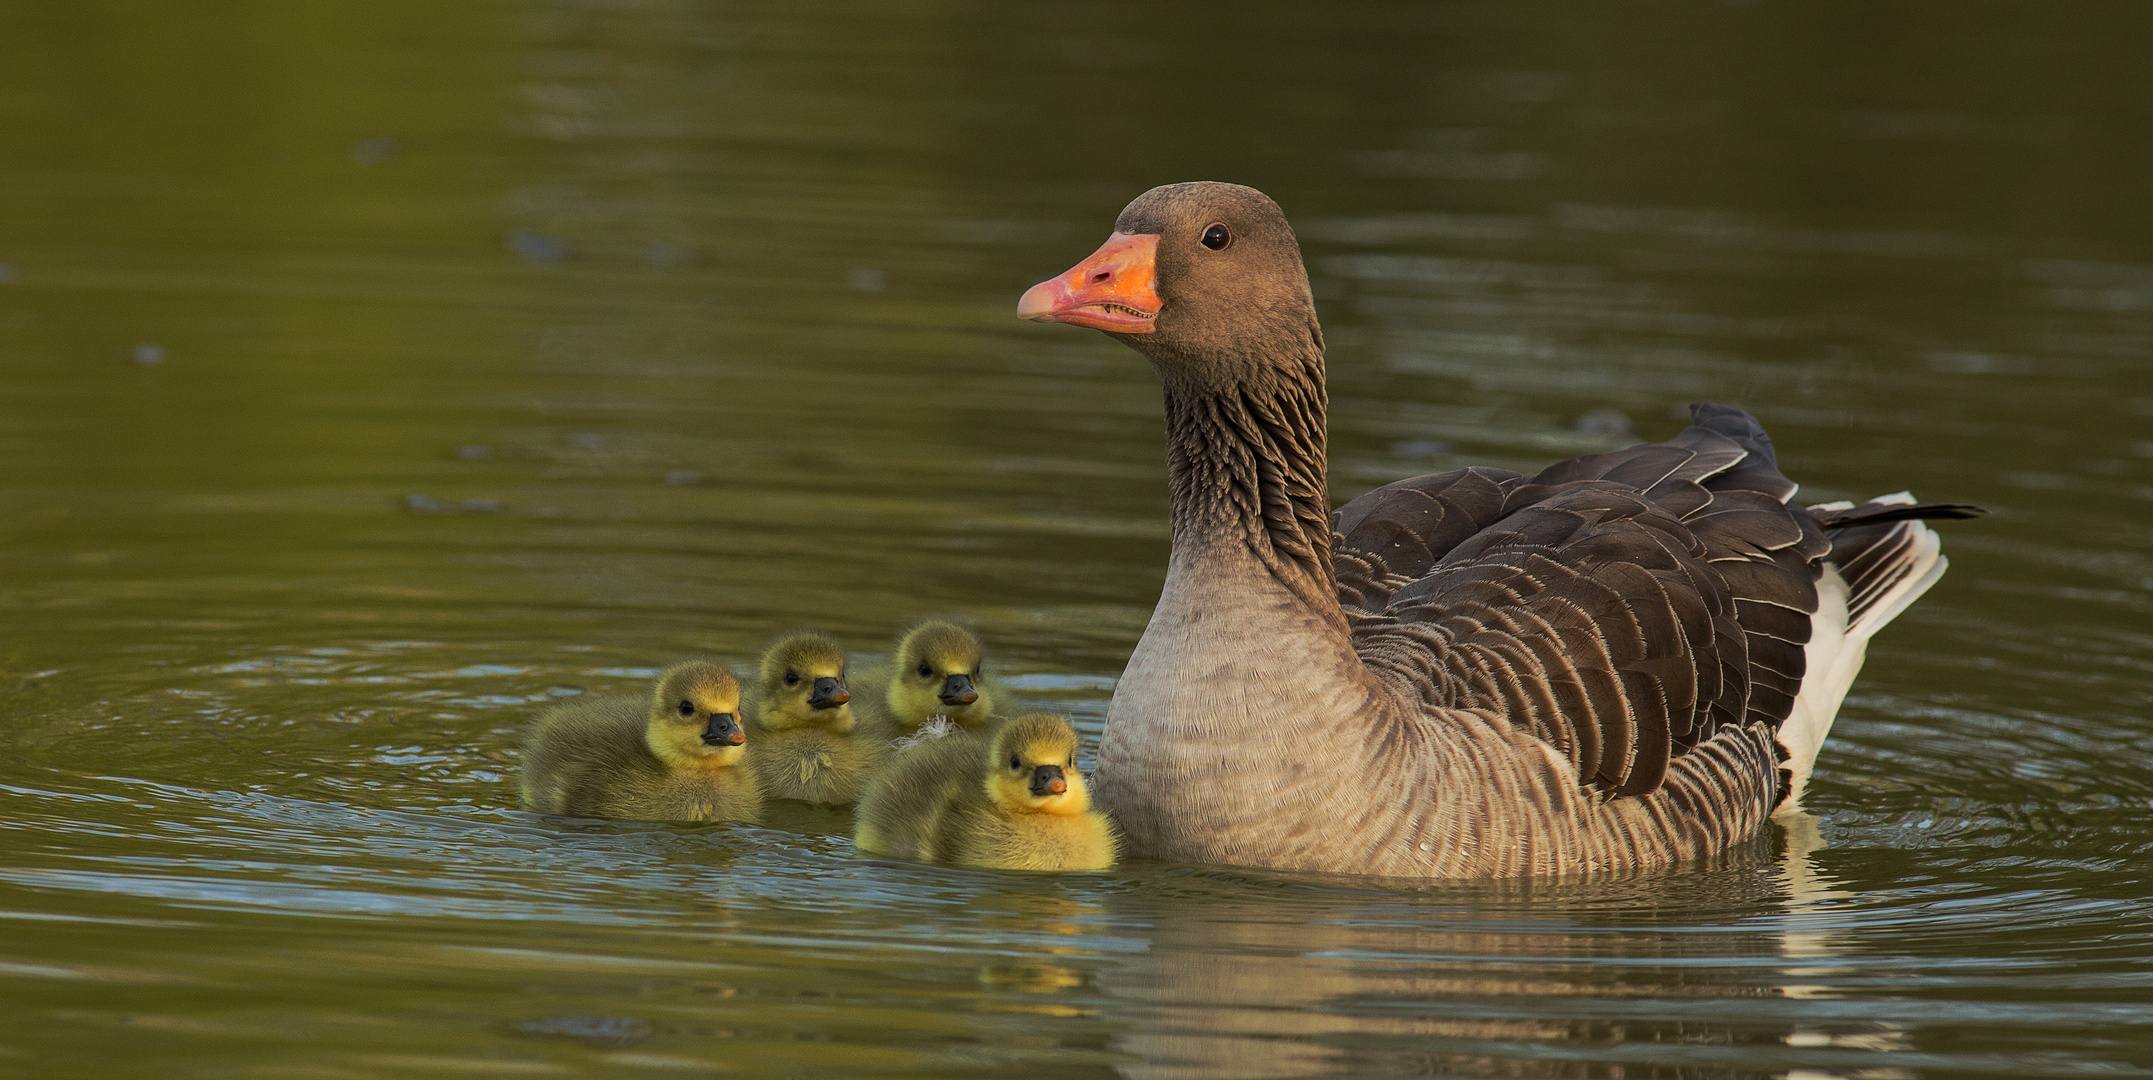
(674, 755)
(1624, 661)
(1011, 799)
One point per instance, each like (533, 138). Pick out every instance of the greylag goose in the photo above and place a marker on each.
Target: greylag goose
(1625, 661)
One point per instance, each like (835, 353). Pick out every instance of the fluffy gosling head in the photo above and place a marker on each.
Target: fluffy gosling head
(802, 683)
(938, 675)
(1031, 768)
(695, 717)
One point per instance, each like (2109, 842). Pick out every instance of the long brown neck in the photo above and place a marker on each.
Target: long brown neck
(1246, 457)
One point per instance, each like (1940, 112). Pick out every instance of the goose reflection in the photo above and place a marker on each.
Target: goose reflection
(1641, 975)
(1814, 938)
(1810, 896)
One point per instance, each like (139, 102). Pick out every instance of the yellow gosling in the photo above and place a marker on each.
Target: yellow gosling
(673, 756)
(935, 672)
(807, 745)
(1010, 801)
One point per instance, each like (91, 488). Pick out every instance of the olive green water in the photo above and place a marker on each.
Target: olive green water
(372, 374)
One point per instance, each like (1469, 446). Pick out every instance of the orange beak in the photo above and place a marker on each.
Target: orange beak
(1116, 289)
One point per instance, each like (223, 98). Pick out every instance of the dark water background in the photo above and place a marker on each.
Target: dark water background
(371, 374)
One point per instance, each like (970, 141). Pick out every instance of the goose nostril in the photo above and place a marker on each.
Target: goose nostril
(1101, 276)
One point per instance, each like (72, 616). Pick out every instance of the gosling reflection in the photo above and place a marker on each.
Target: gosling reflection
(1039, 983)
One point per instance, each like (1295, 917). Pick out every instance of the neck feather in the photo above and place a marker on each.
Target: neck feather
(1246, 456)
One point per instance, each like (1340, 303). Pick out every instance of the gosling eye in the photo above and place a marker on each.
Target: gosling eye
(926, 670)
(792, 678)
(1216, 237)
(1015, 762)
(687, 708)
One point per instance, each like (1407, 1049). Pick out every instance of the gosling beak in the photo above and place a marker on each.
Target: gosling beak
(1116, 289)
(723, 731)
(957, 690)
(1047, 780)
(829, 694)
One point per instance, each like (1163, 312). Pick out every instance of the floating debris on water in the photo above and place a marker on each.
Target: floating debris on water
(474, 453)
(148, 355)
(588, 1030)
(537, 247)
(1419, 448)
(374, 151)
(589, 440)
(683, 476)
(427, 504)
(867, 280)
(1603, 421)
(936, 727)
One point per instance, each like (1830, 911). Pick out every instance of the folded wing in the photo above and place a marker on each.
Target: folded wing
(1620, 606)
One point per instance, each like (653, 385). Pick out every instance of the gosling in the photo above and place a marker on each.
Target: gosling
(935, 673)
(674, 756)
(1012, 801)
(806, 746)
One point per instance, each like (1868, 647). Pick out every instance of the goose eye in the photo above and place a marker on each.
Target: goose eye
(1015, 762)
(687, 708)
(792, 678)
(1216, 237)
(926, 670)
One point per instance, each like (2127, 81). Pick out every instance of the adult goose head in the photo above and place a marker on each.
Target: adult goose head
(1205, 280)
(1626, 660)
(1203, 277)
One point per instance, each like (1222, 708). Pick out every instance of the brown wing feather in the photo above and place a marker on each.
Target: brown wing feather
(1621, 606)
(1392, 535)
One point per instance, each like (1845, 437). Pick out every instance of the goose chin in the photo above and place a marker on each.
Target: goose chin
(1118, 320)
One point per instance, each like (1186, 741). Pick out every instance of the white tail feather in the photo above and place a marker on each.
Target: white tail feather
(1836, 650)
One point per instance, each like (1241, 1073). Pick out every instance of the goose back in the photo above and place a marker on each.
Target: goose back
(1622, 607)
